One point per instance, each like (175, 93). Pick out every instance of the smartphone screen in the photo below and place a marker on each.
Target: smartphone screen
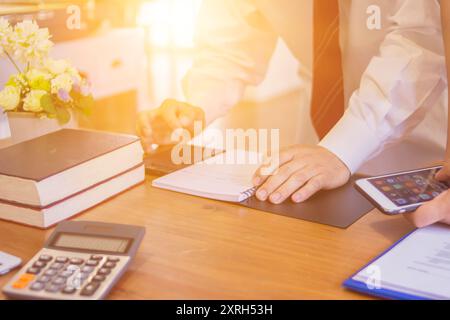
(410, 188)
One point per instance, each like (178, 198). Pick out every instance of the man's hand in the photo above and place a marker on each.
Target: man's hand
(156, 126)
(444, 174)
(303, 171)
(437, 210)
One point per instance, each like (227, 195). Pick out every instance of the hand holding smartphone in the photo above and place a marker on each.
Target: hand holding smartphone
(402, 192)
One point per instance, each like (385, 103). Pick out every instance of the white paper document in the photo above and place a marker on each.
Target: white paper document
(4, 125)
(419, 265)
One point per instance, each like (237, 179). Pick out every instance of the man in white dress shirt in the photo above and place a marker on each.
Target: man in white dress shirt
(392, 83)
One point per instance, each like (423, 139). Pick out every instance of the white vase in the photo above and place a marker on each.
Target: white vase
(26, 126)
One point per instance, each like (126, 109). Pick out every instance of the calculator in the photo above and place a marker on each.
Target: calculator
(81, 260)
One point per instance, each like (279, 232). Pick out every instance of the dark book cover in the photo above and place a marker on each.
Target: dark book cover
(56, 152)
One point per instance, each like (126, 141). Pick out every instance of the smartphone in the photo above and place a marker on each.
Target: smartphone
(402, 192)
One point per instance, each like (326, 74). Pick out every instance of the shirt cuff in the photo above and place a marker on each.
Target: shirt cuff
(210, 107)
(352, 141)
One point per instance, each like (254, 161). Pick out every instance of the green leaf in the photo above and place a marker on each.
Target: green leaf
(47, 104)
(63, 115)
(40, 84)
(11, 82)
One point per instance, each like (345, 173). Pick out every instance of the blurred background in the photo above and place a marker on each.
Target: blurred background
(137, 51)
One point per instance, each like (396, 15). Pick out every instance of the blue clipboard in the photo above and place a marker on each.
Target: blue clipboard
(361, 287)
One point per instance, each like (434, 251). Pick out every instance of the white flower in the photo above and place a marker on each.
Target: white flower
(35, 74)
(56, 67)
(5, 35)
(9, 98)
(32, 102)
(74, 74)
(31, 43)
(63, 81)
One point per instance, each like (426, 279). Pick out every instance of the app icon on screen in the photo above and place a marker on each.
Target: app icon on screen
(425, 196)
(401, 201)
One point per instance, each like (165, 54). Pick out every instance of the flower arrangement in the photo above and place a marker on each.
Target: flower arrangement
(45, 87)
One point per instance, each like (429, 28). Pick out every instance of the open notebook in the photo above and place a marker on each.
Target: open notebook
(221, 177)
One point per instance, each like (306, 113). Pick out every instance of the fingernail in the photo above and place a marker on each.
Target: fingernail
(275, 198)
(262, 195)
(297, 198)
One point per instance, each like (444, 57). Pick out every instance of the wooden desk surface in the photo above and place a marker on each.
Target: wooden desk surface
(202, 249)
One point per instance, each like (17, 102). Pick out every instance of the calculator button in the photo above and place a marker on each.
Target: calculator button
(45, 258)
(104, 271)
(60, 281)
(72, 268)
(23, 281)
(113, 259)
(27, 277)
(99, 278)
(69, 290)
(66, 274)
(62, 259)
(87, 269)
(84, 275)
(76, 282)
(53, 288)
(90, 289)
(96, 257)
(37, 286)
(50, 272)
(56, 266)
(109, 265)
(39, 264)
(20, 285)
(76, 261)
(92, 263)
(44, 279)
(33, 270)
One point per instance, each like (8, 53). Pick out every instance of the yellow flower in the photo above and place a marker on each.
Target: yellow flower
(9, 98)
(38, 80)
(63, 81)
(32, 101)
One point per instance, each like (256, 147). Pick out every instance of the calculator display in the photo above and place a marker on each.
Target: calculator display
(91, 243)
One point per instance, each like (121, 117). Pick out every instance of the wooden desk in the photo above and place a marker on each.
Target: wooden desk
(201, 249)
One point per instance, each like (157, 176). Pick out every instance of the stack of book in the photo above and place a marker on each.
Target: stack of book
(51, 178)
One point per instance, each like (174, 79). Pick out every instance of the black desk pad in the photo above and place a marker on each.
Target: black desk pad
(339, 208)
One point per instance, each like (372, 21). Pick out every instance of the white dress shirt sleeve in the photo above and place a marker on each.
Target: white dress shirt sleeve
(397, 89)
(234, 46)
